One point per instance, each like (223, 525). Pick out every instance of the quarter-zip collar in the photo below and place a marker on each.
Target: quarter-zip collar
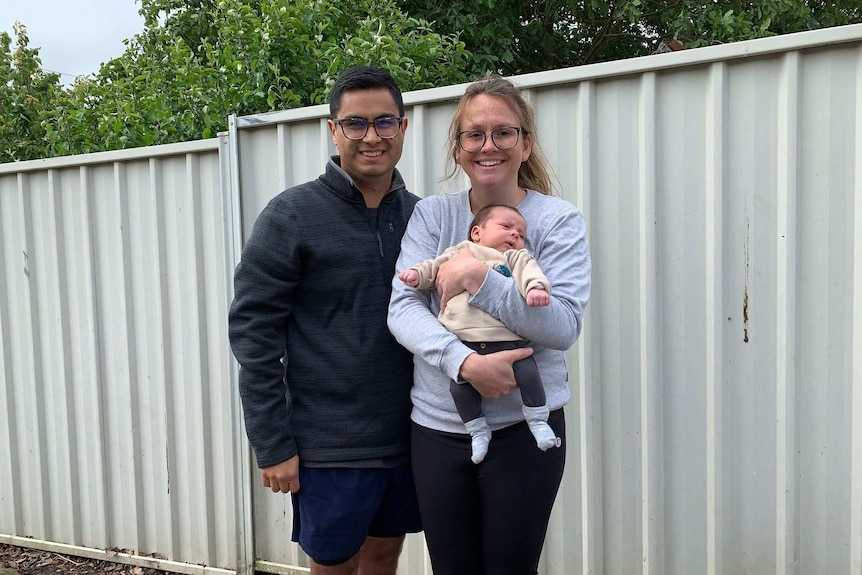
(351, 193)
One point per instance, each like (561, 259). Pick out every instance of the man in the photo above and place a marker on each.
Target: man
(312, 292)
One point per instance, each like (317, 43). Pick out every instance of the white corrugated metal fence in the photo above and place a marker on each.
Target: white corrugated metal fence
(716, 425)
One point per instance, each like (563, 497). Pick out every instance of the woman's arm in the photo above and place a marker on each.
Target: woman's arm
(413, 313)
(413, 318)
(462, 272)
(563, 255)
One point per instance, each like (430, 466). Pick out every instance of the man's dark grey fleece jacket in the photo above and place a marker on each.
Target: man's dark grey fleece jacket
(314, 280)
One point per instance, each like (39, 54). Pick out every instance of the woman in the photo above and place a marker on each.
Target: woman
(490, 518)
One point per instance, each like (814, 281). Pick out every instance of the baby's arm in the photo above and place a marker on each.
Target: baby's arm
(409, 277)
(538, 297)
(424, 274)
(532, 283)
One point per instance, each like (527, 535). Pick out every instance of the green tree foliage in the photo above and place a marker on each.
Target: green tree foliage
(197, 61)
(27, 96)
(521, 36)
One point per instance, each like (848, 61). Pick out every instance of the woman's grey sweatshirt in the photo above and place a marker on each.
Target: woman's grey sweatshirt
(557, 237)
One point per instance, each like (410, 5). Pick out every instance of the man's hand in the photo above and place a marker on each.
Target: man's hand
(537, 297)
(282, 477)
(463, 272)
(492, 374)
(410, 277)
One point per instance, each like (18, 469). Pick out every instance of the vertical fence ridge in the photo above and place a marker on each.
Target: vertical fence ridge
(67, 250)
(285, 166)
(245, 540)
(150, 247)
(208, 543)
(34, 412)
(64, 470)
(11, 266)
(650, 384)
(590, 422)
(91, 402)
(785, 313)
(418, 129)
(713, 282)
(855, 547)
(128, 517)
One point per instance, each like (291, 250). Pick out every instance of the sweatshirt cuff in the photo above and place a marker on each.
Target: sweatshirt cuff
(276, 457)
(453, 356)
(491, 292)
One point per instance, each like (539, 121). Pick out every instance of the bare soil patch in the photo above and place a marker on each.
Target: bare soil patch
(25, 561)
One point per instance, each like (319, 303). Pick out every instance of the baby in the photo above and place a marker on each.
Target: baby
(497, 239)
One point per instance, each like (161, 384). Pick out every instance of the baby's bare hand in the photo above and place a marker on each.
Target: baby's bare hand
(409, 277)
(537, 297)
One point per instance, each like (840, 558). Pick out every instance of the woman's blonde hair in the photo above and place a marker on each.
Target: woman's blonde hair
(533, 173)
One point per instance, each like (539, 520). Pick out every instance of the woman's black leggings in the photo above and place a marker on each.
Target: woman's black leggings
(490, 518)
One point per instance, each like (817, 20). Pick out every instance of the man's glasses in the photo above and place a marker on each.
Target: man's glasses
(356, 128)
(504, 138)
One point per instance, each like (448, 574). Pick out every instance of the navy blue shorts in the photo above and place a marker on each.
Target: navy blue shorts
(337, 508)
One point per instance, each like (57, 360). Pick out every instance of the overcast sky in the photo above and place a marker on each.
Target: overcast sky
(74, 36)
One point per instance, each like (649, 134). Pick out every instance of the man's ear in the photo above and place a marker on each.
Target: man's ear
(332, 127)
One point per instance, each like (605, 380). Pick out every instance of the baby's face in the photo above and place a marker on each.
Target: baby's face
(503, 230)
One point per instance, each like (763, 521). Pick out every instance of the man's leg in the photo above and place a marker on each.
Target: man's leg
(332, 513)
(361, 511)
(379, 555)
(349, 567)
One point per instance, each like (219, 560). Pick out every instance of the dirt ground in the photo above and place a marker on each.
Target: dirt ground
(23, 561)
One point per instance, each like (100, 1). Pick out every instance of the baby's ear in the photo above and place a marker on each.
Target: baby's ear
(474, 234)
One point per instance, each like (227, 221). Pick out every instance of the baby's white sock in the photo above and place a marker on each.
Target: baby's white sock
(481, 434)
(537, 420)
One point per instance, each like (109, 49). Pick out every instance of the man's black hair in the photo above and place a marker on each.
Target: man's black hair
(363, 78)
